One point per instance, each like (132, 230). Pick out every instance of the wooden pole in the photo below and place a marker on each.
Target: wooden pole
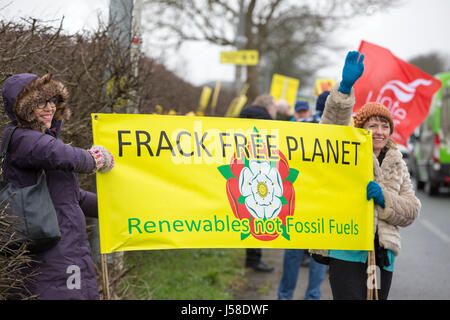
(106, 295)
(369, 276)
(372, 286)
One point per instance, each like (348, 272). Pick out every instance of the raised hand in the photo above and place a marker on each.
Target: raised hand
(353, 69)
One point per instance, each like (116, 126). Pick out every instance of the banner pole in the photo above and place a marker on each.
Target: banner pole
(369, 284)
(372, 291)
(105, 278)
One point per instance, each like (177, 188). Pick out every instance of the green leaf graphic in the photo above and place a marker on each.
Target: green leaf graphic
(225, 170)
(285, 234)
(241, 199)
(259, 140)
(293, 174)
(283, 200)
(244, 235)
(246, 162)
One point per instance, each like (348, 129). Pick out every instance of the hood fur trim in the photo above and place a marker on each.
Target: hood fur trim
(41, 88)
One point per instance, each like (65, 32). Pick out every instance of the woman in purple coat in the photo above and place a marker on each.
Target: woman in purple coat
(37, 106)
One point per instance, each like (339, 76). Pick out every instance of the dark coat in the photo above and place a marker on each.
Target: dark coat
(33, 147)
(255, 112)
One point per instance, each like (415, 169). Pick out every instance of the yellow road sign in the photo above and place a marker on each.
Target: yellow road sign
(242, 57)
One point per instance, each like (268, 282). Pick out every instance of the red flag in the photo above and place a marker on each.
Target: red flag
(403, 88)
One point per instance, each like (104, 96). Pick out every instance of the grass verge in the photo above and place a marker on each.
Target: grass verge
(203, 274)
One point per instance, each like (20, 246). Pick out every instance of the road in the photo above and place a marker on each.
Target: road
(422, 270)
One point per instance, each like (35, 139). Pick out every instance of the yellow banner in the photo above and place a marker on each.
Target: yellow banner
(286, 88)
(205, 182)
(241, 57)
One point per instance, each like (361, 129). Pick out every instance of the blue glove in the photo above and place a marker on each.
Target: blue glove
(353, 69)
(374, 192)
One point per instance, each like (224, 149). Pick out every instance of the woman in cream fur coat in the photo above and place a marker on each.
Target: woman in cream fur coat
(395, 202)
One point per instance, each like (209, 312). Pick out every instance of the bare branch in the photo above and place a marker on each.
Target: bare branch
(269, 24)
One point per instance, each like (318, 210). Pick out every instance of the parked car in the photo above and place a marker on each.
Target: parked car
(430, 156)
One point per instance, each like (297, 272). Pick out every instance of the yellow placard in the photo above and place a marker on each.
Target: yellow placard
(286, 88)
(241, 57)
(215, 96)
(206, 182)
(204, 99)
(236, 105)
(323, 85)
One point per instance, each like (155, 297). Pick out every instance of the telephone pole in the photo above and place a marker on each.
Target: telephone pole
(240, 42)
(125, 31)
(125, 35)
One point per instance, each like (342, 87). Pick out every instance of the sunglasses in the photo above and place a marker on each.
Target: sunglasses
(44, 103)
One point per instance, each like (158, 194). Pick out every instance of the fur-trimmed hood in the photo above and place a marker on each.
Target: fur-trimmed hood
(23, 92)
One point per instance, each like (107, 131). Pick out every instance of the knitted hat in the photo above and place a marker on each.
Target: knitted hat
(321, 99)
(372, 109)
(301, 105)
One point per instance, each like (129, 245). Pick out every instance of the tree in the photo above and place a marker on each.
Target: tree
(281, 30)
(431, 63)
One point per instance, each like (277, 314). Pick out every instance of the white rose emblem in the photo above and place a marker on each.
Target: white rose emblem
(262, 187)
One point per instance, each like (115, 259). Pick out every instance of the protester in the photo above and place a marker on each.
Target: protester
(258, 110)
(293, 258)
(320, 105)
(278, 110)
(255, 112)
(395, 202)
(264, 101)
(301, 110)
(283, 110)
(291, 264)
(37, 106)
